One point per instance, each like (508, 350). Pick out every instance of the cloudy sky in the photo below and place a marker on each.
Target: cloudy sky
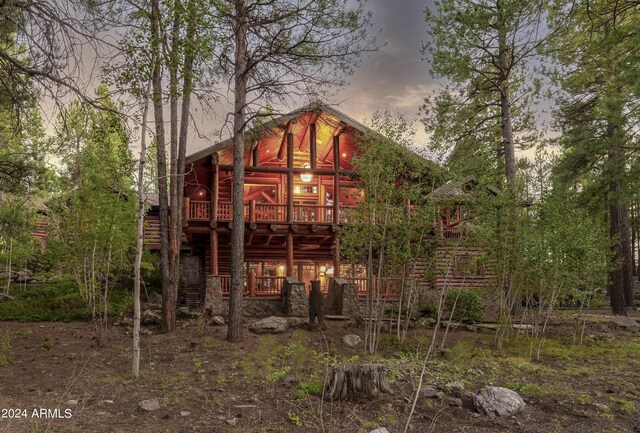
(394, 77)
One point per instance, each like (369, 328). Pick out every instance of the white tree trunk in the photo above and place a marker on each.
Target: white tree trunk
(135, 367)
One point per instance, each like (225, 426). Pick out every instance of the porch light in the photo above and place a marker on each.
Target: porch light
(296, 189)
(330, 271)
(306, 177)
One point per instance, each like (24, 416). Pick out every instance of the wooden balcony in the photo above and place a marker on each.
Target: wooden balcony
(198, 210)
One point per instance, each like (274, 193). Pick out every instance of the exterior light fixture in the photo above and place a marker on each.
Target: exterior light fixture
(306, 177)
(330, 271)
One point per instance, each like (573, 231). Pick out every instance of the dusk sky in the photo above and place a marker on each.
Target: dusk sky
(394, 77)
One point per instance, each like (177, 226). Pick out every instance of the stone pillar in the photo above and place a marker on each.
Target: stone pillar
(294, 298)
(213, 304)
(335, 295)
(351, 305)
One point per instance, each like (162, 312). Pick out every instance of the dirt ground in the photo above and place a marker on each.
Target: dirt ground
(271, 383)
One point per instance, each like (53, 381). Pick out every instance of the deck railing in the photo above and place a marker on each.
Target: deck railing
(391, 287)
(199, 210)
(266, 212)
(254, 286)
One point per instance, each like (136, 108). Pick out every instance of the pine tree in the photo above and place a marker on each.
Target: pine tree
(596, 53)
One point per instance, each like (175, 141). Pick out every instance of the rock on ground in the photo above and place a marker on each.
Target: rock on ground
(455, 389)
(298, 322)
(217, 320)
(380, 430)
(149, 405)
(351, 340)
(23, 276)
(151, 317)
(270, 325)
(431, 392)
(625, 322)
(155, 298)
(495, 400)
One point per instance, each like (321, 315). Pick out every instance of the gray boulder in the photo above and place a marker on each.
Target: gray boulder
(217, 321)
(149, 405)
(298, 322)
(23, 276)
(151, 317)
(625, 322)
(380, 430)
(270, 325)
(351, 340)
(495, 400)
(456, 389)
(155, 298)
(431, 392)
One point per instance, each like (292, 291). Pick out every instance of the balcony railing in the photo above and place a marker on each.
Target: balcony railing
(254, 286)
(457, 232)
(199, 210)
(391, 287)
(264, 212)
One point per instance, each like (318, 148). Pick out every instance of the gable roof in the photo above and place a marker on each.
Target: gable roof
(460, 189)
(318, 107)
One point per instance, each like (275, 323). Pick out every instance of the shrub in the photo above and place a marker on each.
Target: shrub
(428, 309)
(468, 307)
(59, 301)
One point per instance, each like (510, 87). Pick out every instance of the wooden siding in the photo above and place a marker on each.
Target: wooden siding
(449, 274)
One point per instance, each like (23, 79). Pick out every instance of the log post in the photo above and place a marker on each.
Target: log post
(336, 256)
(252, 211)
(312, 146)
(336, 179)
(213, 213)
(290, 270)
(213, 240)
(289, 177)
(255, 156)
(215, 177)
(185, 211)
(252, 283)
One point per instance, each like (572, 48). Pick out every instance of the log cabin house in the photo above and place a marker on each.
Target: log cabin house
(299, 185)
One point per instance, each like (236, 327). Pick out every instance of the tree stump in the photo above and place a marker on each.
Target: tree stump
(351, 380)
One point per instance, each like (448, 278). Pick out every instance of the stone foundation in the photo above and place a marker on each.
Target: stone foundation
(216, 305)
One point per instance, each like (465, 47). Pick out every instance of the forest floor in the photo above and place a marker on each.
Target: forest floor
(272, 383)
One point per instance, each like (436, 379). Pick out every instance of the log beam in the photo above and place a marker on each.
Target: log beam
(313, 147)
(290, 270)
(215, 186)
(213, 242)
(290, 177)
(312, 123)
(295, 170)
(336, 256)
(336, 179)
